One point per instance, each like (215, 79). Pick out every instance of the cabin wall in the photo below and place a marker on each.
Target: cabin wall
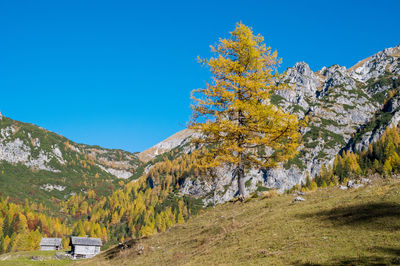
(86, 250)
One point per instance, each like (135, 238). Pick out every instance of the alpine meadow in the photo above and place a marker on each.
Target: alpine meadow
(118, 148)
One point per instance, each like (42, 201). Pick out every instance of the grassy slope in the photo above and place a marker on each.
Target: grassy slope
(331, 227)
(24, 258)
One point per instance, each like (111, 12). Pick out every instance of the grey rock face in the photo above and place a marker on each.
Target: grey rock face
(119, 173)
(376, 65)
(14, 150)
(304, 84)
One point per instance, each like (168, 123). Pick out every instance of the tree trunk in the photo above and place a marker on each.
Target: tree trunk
(240, 169)
(215, 182)
(215, 192)
(240, 176)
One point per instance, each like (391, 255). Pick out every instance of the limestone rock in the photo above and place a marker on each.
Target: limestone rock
(298, 199)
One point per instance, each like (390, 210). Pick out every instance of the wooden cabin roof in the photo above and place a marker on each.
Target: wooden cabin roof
(50, 241)
(85, 241)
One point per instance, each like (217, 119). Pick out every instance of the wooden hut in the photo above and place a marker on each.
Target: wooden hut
(50, 244)
(84, 247)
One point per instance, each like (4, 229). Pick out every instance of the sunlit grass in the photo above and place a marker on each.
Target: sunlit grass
(33, 258)
(331, 227)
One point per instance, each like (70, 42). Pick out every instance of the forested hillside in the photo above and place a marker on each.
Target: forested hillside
(149, 205)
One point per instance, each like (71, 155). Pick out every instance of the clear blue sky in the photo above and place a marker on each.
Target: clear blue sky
(119, 73)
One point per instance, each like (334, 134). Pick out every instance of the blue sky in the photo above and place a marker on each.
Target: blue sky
(119, 73)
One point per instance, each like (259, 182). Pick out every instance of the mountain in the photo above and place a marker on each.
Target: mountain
(347, 109)
(178, 139)
(38, 164)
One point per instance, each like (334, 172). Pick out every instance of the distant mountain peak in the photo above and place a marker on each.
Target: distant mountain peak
(165, 145)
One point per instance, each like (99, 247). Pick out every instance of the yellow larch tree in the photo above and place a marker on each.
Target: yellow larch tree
(233, 113)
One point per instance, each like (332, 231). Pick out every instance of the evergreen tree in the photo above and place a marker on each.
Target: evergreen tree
(1, 244)
(234, 113)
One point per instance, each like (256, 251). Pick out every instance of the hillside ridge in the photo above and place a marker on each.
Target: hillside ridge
(36, 163)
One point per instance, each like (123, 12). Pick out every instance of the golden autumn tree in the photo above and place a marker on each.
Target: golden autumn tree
(234, 114)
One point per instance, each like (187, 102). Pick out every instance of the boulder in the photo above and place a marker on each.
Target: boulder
(298, 199)
(364, 180)
(350, 184)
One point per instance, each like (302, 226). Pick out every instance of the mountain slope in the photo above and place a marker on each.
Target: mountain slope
(38, 164)
(339, 104)
(332, 227)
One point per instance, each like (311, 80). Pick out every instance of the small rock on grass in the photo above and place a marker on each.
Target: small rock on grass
(365, 180)
(298, 199)
(350, 184)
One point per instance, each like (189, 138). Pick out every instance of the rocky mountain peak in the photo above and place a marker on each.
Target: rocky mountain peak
(372, 67)
(166, 145)
(392, 51)
(302, 68)
(303, 78)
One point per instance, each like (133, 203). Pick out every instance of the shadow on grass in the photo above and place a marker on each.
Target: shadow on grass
(373, 216)
(387, 256)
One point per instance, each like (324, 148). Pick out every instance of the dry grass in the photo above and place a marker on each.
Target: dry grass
(360, 63)
(332, 227)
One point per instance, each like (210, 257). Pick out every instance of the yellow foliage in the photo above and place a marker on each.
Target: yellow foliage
(234, 112)
(314, 186)
(387, 168)
(145, 231)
